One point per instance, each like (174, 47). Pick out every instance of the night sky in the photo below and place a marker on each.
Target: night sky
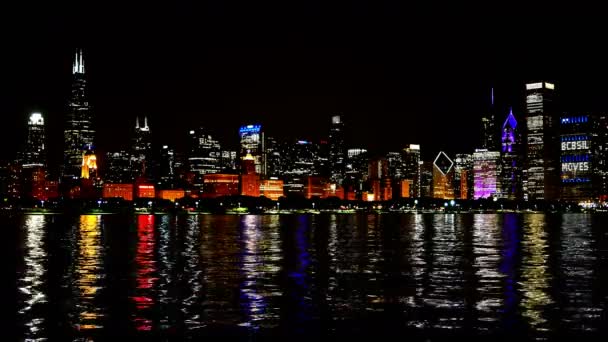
(400, 75)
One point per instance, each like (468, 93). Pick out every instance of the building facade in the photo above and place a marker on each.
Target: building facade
(485, 169)
(511, 171)
(79, 131)
(252, 142)
(541, 172)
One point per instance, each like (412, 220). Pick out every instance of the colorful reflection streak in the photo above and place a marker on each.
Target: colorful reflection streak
(508, 267)
(31, 283)
(259, 266)
(486, 250)
(89, 274)
(145, 275)
(535, 277)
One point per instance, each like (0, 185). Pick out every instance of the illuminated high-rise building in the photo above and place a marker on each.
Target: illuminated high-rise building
(88, 169)
(379, 179)
(463, 176)
(204, 156)
(411, 168)
(489, 134)
(602, 156)
(79, 133)
(356, 170)
(274, 157)
(511, 165)
(443, 177)
(117, 167)
(166, 171)
(581, 157)
(395, 165)
(228, 161)
(299, 164)
(485, 170)
(426, 179)
(34, 154)
(337, 150)
(252, 142)
(541, 172)
(141, 156)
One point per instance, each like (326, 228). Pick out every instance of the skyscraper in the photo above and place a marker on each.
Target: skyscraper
(411, 168)
(79, 133)
(141, 156)
(541, 173)
(463, 176)
(34, 153)
(337, 151)
(205, 154)
(511, 168)
(443, 177)
(580, 175)
(485, 169)
(252, 142)
(489, 134)
(118, 167)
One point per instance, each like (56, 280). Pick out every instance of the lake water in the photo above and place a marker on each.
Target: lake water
(419, 276)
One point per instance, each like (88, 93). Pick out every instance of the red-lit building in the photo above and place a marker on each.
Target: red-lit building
(124, 191)
(171, 195)
(34, 182)
(51, 189)
(316, 187)
(250, 185)
(272, 188)
(250, 181)
(145, 191)
(220, 184)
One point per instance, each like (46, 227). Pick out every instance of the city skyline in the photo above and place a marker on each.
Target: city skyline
(247, 84)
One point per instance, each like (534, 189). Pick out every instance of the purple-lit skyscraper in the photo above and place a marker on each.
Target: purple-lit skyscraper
(511, 168)
(485, 169)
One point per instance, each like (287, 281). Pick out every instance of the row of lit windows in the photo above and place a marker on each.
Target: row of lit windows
(576, 180)
(575, 119)
(574, 137)
(575, 158)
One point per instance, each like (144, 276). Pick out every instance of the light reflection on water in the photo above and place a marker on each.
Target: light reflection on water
(31, 283)
(535, 275)
(89, 274)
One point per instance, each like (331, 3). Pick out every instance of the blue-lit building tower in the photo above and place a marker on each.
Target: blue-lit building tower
(579, 158)
(510, 159)
(252, 142)
(79, 133)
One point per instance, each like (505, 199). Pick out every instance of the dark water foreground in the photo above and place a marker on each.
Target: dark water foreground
(255, 277)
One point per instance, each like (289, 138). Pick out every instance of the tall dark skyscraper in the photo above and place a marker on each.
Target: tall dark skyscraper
(464, 177)
(34, 153)
(205, 154)
(79, 133)
(141, 157)
(510, 159)
(337, 150)
(489, 134)
(411, 168)
(541, 173)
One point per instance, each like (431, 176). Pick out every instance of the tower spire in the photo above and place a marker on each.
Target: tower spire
(78, 66)
(145, 122)
(137, 122)
(492, 96)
